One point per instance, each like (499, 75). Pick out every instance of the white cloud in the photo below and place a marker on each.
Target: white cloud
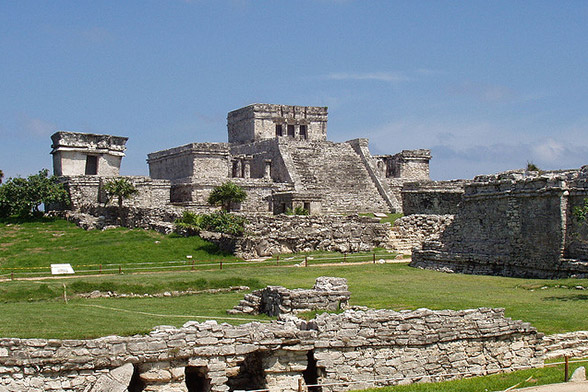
(389, 77)
(464, 149)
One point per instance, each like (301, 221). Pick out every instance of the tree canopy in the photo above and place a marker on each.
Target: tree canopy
(226, 194)
(22, 197)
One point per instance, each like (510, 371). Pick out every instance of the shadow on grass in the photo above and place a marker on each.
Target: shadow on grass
(577, 297)
(15, 220)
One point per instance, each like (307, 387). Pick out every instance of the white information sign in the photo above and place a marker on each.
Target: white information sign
(61, 269)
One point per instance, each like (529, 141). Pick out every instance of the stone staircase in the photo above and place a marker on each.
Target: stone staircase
(335, 172)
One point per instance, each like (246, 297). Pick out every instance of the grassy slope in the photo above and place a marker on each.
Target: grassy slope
(34, 244)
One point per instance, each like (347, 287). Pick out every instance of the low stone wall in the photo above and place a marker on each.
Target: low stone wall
(411, 231)
(97, 217)
(268, 235)
(351, 350)
(571, 344)
(328, 293)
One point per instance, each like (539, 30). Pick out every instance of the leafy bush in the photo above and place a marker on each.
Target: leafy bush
(189, 223)
(22, 197)
(297, 211)
(223, 222)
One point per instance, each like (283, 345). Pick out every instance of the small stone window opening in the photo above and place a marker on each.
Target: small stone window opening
(279, 130)
(291, 132)
(307, 207)
(196, 379)
(303, 132)
(251, 375)
(91, 165)
(311, 373)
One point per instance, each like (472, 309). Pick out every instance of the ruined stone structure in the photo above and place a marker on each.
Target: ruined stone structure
(269, 235)
(352, 350)
(280, 155)
(328, 293)
(515, 224)
(79, 154)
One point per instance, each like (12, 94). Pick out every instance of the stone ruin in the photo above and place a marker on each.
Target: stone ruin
(328, 293)
(279, 154)
(352, 350)
(515, 223)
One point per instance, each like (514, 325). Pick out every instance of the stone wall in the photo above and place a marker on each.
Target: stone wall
(432, 197)
(89, 190)
(411, 231)
(351, 350)
(328, 293)
(571, 344)
(512, 224)
(268, 235)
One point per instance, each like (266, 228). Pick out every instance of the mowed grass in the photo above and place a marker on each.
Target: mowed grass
(26, 313)
(35, 308)
(496, 382)
(46, 242)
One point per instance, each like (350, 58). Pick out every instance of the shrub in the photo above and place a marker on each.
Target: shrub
(189, 223)
(297, 211)
(580, 212)
(223, 222)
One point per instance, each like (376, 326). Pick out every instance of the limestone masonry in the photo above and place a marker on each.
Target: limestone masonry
(279, 154)
(352, 350)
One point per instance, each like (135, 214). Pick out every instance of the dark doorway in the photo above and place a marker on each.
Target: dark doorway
(196, 379)
(303, 133)
(91, 165)
(291, 130)
(311, 374)
(136, 385)
(279, 131)
(250, 376)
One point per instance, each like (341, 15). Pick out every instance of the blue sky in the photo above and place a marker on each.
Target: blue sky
(487, 85)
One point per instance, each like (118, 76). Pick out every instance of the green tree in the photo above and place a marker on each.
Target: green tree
(1, 176)
(22, 197)
(226, 194)
(121, 188)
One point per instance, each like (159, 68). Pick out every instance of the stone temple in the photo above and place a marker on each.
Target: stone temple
(279, 154)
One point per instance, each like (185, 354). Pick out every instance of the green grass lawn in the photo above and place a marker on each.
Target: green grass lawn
(497, 382)
(35, 308)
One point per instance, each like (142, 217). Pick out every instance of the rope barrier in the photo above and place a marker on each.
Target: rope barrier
(161, 265)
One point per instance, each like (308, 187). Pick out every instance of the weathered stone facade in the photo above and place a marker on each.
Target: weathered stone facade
(352, 350)
(328, 293)
(432, 197)
(280, 155)
(515, 224)
(269, 235)
(571, 344)
(409, 232)
(78, 154)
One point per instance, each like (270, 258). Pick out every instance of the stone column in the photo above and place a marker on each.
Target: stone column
(267, 171)
(247, 166)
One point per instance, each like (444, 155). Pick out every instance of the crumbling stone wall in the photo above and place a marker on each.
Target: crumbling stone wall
(571, 344)
(87, 191)
(328, 293)
(432, 197)
(513, 224)
(268, 235)
(409, 232)
(351, 350)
